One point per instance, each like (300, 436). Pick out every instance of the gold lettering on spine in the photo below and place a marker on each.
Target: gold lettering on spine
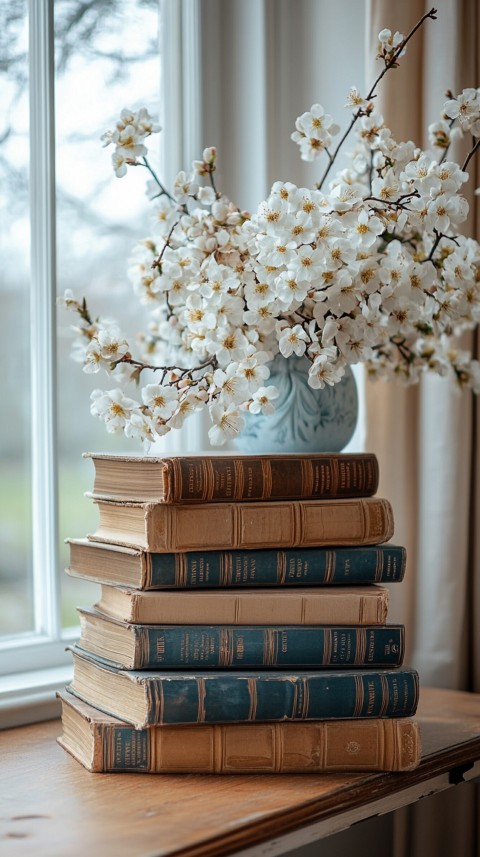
(252, 692)
(201, 700)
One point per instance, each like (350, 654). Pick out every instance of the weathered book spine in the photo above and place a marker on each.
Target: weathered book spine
(376, 745)
(161, 528)
(228, 697)
(294, 567)
(226, 478)
(309, 523)
(210, 647)
(247, 696)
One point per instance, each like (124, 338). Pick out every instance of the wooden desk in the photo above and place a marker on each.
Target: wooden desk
(51, 807)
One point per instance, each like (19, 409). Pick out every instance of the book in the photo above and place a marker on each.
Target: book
(153, 698)
(206, 478)
(160, 528)
(102, 743)
(349, 605)
(131, 646)
(122, 566)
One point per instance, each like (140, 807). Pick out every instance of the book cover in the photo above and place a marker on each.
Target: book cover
(130, 646)
(217, 478)
(103, 743)
(122, 566)
(153, 698)
(354, 605)
(160, 528)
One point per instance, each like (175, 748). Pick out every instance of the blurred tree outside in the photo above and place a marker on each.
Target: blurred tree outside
(106, 58)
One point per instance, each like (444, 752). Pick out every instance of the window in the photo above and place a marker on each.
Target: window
(67, 69)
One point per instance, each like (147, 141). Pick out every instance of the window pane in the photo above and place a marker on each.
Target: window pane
(16, 614)
(107, 59)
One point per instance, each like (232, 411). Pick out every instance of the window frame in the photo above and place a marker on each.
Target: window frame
(33, 666)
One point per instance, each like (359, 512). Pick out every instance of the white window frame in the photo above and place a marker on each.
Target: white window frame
(34, 666)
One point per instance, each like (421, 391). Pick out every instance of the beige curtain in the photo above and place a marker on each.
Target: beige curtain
(426, 437)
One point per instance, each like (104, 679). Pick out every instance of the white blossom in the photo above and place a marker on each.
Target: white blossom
(160, 399)
(113, 407)
(369, 266)
(292, 340)
(325, 369)
(263, 400)
(227, 423)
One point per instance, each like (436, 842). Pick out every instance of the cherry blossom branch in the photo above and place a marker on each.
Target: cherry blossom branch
(157, 262)
(392, 62)
(155, 178)
(212, 182)
(180, 371)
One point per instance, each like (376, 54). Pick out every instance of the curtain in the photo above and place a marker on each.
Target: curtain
(426, 437)
(264, 62)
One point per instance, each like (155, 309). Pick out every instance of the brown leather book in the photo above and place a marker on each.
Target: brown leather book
(104, 744)
(215, 478)
(164, 528)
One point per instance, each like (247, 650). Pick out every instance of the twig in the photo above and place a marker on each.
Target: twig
(431, 14)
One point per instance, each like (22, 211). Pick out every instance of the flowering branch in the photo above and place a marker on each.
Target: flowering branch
(374, 270)
(391, 63)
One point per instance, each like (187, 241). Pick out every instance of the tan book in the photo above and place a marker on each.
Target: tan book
(162, 528)
(218, 478)
(346, 605)
(102, 743)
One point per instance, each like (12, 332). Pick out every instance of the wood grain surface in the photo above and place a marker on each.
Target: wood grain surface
(51, 807)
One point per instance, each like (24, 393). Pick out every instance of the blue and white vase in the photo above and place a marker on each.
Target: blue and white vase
(305, 420)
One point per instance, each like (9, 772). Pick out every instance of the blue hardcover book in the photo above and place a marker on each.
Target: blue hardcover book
(152, 698)
(122, 566)
(133, 646)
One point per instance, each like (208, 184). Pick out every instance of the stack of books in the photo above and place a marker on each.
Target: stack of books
(242, 620)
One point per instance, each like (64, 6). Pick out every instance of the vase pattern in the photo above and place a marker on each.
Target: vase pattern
(305, 420)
